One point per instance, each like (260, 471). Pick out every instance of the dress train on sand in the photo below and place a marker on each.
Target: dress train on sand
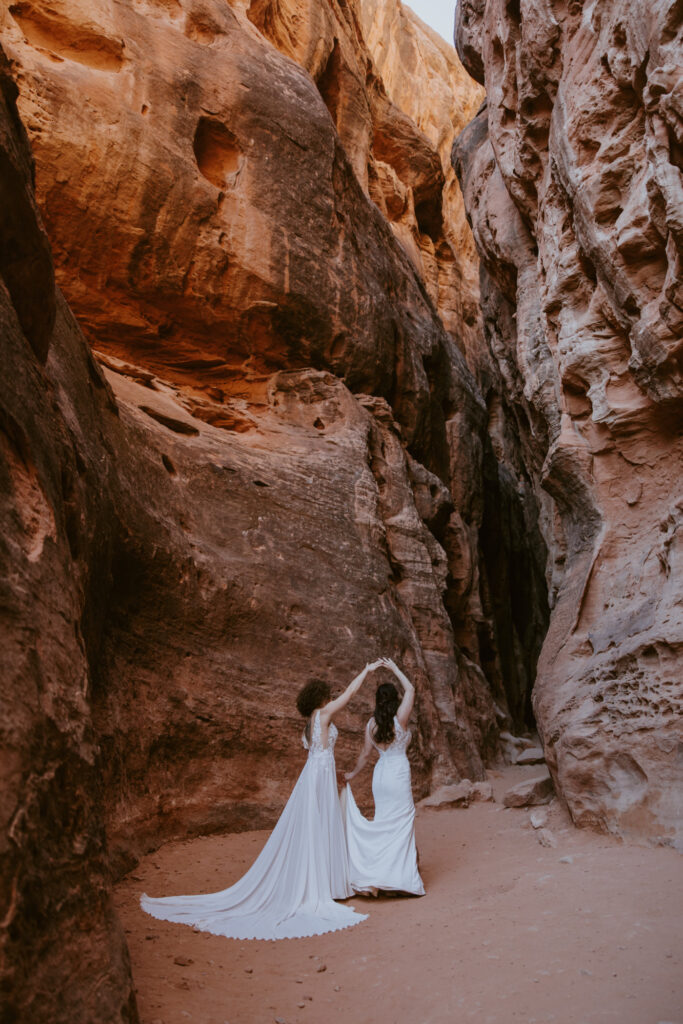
(290, 890)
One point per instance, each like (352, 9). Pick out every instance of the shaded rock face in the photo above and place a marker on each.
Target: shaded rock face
(573, 186)
(503, 617)
(62, 951)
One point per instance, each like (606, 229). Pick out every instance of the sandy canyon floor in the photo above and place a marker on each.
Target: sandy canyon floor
(585, 933)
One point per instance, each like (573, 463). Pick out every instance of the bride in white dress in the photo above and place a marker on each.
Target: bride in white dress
(290, 889)
(382, 853)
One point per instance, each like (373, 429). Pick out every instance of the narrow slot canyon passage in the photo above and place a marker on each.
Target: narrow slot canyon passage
(329, 338)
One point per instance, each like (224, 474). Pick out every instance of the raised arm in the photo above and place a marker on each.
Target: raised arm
(363, 756)
(330, 710)
(406, 706)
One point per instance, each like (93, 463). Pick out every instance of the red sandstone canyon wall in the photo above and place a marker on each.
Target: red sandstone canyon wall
(306, 428)
(573, 183)
(63, 954)
(271, 461)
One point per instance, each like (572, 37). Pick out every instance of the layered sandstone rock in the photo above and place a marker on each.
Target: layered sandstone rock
(269, 486)
(179, 559)
(501, 613)
(423, 76)
(573, 184)
(62, 952)
(282, 466)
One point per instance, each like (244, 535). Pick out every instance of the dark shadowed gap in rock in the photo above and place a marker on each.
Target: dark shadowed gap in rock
(429, 216)
(329, 83)
(513, 11)
(513, 559)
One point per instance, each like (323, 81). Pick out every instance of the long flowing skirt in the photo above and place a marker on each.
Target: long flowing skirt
(290, 889)
(382, 852)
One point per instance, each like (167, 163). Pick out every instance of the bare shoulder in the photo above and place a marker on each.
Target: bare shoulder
(325, 713)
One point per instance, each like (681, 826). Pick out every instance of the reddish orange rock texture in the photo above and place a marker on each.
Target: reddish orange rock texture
(63, 954)
(573, 183)
(299, 445)
(278, 469)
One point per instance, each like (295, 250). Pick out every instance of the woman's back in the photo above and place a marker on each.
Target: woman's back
(400, 742)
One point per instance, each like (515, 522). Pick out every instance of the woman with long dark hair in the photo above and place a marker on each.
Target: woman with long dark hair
(382, 853)
(290, 890)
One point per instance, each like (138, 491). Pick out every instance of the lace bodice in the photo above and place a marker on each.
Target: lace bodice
(399, 744)
(315, 746)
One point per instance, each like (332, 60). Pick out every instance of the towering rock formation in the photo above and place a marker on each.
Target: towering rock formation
(573, 185)
(63, 955)
(277, 465)
(425, 79)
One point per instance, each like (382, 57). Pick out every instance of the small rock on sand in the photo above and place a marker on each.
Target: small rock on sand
(546, 838)
(538, 790)
(539, 817)
(460, 794)
(533, 755)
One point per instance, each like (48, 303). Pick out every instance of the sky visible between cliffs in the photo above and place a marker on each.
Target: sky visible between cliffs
(440, 14)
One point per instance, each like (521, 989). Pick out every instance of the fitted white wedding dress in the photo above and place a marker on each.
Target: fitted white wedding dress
(382, 853)
(290, 889)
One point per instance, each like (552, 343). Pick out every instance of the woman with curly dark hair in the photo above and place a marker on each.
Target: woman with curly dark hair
(290, 890)
(382, 853)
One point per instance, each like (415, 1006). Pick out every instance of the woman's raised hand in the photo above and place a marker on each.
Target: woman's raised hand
(372, 665)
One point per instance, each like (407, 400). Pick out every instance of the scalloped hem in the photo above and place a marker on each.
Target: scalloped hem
(253, 938)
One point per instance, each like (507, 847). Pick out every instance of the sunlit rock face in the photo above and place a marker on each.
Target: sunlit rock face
(423, 76)
(573, 185)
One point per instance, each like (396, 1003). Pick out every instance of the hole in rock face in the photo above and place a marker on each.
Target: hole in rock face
(168, 465)
(218, 154)
(318, 424)
(577, 402)
(429, 216)
(675, 150)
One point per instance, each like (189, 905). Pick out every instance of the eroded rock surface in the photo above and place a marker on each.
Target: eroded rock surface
(573, 185)
(283, 465)
(423, 76)
(63, 955)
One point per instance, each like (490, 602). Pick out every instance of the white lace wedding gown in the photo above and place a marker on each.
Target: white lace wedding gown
(382, 852)
(290, 889)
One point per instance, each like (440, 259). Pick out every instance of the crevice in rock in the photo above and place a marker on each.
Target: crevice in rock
(329, 83)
